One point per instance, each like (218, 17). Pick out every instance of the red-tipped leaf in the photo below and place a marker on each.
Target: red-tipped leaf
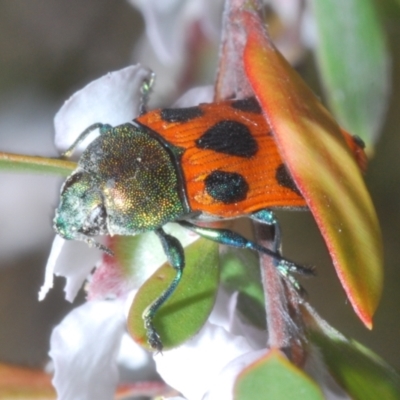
(323, 167)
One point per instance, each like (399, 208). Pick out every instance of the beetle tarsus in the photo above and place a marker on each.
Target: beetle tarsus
(291, 267)
(153, 338)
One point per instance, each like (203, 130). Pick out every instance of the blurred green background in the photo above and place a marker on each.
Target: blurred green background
(49, 49)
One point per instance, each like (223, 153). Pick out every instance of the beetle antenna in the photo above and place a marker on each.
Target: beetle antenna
(82, 137)
(99, 246)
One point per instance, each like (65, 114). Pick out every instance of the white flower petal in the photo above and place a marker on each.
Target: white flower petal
(288, 10)
(308, 29)
(224, 309)
(55, 252)
(195, 96)
(84, 350)
(165, 26)
(168, 23)
(112, 99)
(222, 386)
(164, 32)
(211, 351)
(208, 352)
(72, 260)
(75, 263)
(168, 76)
(131, 355)
(225, 315)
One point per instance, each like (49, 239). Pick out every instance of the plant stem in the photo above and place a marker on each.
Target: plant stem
(284, 321)
(44, 165)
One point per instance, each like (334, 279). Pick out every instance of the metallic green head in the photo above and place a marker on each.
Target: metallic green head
(127, 182)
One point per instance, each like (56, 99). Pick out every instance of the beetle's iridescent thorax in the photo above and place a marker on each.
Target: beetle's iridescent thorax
(129, 173)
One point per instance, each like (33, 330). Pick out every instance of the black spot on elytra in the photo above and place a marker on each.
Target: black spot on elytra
(284, 179)
(226, 187)
(229, 137)
(180, 114)
(248, 105)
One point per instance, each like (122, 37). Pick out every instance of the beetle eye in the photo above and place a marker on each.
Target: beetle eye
(96, 222)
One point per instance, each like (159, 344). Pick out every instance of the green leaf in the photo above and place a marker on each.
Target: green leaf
(363, 374)
(354, 63)
(240, 271)
(323, 168)
(273, 377)
(186, 311)
(42, 165)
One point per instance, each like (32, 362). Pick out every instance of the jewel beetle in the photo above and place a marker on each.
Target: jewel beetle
(185, 165)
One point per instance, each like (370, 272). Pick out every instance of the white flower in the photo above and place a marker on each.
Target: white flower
(84, 350)
(112, 99)
(207, 365)
(180, 43)
(299, 30)
(168, 23)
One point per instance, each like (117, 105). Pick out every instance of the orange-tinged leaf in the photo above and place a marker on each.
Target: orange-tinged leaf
(25, 383)
(323, 168)
(147, 389)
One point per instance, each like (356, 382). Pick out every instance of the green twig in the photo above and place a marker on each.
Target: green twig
(34, 164)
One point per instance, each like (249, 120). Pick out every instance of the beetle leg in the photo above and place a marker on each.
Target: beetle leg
(176, 257)
(98, 125)
(230, 238)
(145, 90)
(267, 217)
